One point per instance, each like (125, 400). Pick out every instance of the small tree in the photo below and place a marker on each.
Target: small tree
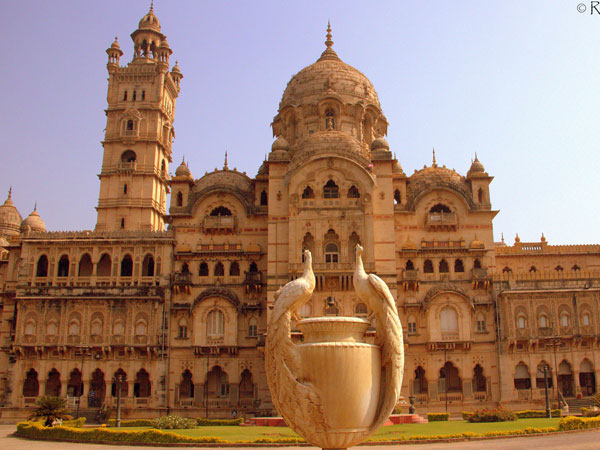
(51, 409)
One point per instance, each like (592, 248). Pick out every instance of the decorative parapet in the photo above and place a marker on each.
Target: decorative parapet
(99, 234)
(536, 248)
(546, 275)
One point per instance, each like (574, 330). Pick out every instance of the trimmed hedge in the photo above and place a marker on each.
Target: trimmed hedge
(132, 423)
(492, 415)
(466, 414)
(76, 423)
(438, 417)
(172, 422)
(218, 422)
(537, 413)
(578, 423)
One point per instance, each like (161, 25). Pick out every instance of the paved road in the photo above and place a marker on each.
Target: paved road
(589, 440)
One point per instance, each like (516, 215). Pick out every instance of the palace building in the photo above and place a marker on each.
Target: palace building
(172, 304)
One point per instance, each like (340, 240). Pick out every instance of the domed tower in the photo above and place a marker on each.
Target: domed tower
(10, 219)
(33, 222)
(139, 132)
(330, 180)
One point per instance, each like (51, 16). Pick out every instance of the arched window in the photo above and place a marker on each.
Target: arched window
(42, 267)
(586, 319)
(360, 310)
(409, 265)
(444, 266)
(141, 328)
(543, 321)
(163, 168)
(31, 385)
(128, 155)
(428, 266)
(532, 269)
(564, 320)
(96, 327)
(449, 322)
(412, 325)
(141, 387)
(53, 384)
(330, 190)
(440, 208)
(219, 269)
(308, 192)
(397, 197)
(234, 269)
(75, 384)
(253, 267)
(559, 268)
(63, 266)
(521, 322)
(458, 266)
(185, 268)
(120, 374)
(186, 388)
(215, 326)
(420, 385)
(125, 189)
(506, 270)
(331, 253)
(98, 387)
(246, 385)
(220, 211)
(329, 119)
(85, 266)
(308, 243)
(203, 272)
(126, 266)
(148, 266)
(183, 329)
(218, 383)
(480, 195)
(179, 199)
(252, 327)
(479, 383)
(122, 222)
(353, 192)
(104, 266)
(30, 327)
(522, 379)
(477, 264)
(125, 96)
(74, 328)
(481, 323)
(449, 380)
(264, 199)
(118, 328)
(51, 328)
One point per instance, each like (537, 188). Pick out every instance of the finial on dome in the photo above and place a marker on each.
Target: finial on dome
(434, 162)
(10, 192)
(35, 207)
(225, 165)
(152, 5)
(328, 42)
(517, 238)
(502, 238)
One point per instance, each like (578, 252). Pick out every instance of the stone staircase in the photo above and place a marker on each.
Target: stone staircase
(575, 404)
(90, 414)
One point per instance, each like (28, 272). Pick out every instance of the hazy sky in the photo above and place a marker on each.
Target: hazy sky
(516, 82)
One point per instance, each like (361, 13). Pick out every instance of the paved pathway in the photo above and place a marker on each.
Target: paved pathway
(572, 441)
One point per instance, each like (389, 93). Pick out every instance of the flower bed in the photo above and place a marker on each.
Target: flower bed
(218, 422)
(578, 423)
(492, 415)
(438, 417)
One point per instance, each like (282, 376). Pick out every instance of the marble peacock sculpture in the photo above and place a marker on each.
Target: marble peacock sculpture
(296, 400)
(373, 291)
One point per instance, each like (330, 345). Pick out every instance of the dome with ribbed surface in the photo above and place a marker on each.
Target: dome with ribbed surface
(149, 21)
(33, 222)
(10, 218)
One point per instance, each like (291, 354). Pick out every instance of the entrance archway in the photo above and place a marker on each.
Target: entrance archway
(75, 385)
(53, 384)
(587, 378)
(565, 379)
(479, 382)
(449, 379)
(420, 383)
(97, 389)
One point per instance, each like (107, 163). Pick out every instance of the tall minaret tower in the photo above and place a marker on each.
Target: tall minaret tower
(139, 132)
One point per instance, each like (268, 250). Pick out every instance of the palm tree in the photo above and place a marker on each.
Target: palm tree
(51, 409)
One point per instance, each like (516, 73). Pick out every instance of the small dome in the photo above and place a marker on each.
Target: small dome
(263, 169)
(115, 45)
(33, 222)
(164, 44)
(149, 21)
(397, 167)
(477, 244)
(476, 167)
(380, 143)
(183, 170)
(280, 144)
(175, 68)
(10, 219)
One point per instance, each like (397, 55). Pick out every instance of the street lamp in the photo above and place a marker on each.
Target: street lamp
(84, 353)
(119, 379)
(555, 342)
(548, 412)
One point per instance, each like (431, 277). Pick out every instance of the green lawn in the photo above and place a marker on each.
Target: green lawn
(235, 433)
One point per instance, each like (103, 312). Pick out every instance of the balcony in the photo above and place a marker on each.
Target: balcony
(182, 279)
(441, 221)
(127, 167)
(545, 331)
(219, 224)
(480, 274)
(410, 275)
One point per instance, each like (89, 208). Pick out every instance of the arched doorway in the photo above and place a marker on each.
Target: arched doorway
(246, 388)
(479, 382)
(31, 385)
(186, 388)
(124, 384)
(97, 389)
(587, 379)
(449, 380)
(565, 379)
(53, 384)
(141, 387)
(217, 384)
(522, 378)
(420, 384)
(75, 384)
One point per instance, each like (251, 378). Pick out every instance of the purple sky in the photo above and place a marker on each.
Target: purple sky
(515, 81)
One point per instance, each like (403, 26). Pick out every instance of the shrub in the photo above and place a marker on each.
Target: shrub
(492, 415)
(578, 423)
(438, 417)
(173, 423)
(466, 415)
(537, 414)
(218, 422)
(590, 412)
(76, 423)
(132, 423)
(51, 409)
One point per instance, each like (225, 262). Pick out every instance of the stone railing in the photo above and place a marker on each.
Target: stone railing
(441, 221)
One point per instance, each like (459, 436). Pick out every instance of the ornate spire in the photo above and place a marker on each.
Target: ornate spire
(328, 42)
(502, 238)
(10, 193)
(151, 5)
(434, 164)
(329, 52)
(35, 207)
(225, 165)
